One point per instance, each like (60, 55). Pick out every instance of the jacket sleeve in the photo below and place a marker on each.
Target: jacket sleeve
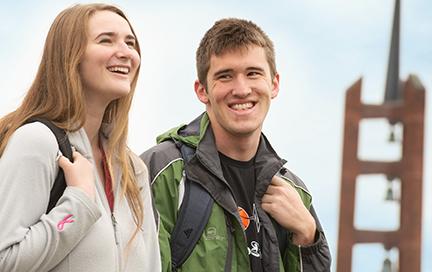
(312, 258)
(31, 240)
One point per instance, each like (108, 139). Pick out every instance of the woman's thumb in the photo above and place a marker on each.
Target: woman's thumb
(64, 162)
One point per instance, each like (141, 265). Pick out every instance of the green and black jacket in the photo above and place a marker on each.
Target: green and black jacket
(223, 246)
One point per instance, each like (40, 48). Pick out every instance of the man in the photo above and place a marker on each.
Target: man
(261, 218)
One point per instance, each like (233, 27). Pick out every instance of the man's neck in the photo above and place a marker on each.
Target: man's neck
(238, 148)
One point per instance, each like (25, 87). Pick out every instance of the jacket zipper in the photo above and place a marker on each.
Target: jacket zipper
(300, 257)
(230, 231)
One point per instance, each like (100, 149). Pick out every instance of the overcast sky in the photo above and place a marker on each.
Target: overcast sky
(322, 47)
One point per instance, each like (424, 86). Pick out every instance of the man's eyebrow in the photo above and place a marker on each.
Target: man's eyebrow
(255, 69)
(223, 71)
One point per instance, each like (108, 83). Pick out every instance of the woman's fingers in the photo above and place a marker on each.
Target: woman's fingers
(78, 173)
(64, 162)
(76, 155)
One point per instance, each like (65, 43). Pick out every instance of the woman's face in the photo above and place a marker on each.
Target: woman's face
(110, 61)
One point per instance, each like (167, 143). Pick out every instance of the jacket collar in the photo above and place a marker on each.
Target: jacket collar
(267, 161)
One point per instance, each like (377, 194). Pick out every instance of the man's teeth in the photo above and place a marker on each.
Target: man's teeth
(123, 70)
(243, 106)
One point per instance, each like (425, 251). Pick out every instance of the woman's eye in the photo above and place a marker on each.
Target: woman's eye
(105, 41)
(131, 44)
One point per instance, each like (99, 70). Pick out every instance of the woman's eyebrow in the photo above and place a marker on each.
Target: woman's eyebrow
(111, 34)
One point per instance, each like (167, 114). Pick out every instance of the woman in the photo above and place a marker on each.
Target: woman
(104, 220)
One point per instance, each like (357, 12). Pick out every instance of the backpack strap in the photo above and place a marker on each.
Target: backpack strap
(194, 214)
(282, 236)
(192, 218)
(65, 147)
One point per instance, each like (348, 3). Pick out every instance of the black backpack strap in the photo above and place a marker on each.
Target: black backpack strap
(192, 218)
(282, 236)
(65, 147)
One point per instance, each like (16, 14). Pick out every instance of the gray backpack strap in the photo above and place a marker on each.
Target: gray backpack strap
(59, 184)
(192, 218)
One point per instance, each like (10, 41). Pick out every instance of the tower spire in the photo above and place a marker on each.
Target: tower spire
(393, 88)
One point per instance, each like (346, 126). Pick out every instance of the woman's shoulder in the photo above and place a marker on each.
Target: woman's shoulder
(137, 164)
(32, 150)
(140, 170)
(35, 137)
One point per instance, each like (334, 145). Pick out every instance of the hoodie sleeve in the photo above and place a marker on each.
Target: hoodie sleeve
(31, 240)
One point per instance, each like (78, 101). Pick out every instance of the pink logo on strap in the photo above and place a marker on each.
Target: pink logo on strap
(66, 219)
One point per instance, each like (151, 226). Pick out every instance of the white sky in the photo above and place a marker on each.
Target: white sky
(322, 48)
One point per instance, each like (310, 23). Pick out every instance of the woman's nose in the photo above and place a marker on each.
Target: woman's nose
(123, 50)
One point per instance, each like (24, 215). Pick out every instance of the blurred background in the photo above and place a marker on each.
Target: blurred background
(322, 48)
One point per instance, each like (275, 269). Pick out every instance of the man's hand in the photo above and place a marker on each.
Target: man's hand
(284, 204)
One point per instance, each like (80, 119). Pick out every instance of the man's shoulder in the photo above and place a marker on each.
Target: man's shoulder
(160, 156)
(292, 177)
(164, 150)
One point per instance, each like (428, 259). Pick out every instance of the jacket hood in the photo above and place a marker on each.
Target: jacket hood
(268, 163)
(190, 134)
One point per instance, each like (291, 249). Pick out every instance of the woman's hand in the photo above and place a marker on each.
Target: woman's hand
(79, 173)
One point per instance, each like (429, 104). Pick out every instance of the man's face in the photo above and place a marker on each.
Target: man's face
(239, 91)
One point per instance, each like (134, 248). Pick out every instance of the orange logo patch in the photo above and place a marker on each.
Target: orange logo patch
(244, 217)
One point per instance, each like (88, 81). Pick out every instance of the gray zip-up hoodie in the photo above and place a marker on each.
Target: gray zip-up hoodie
(79, 234)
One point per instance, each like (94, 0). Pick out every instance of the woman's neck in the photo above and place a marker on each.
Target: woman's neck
(92, 126)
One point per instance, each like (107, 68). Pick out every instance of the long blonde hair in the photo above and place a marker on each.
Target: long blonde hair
(56, 94)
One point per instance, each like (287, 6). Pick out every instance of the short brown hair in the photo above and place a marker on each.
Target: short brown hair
(231, 34)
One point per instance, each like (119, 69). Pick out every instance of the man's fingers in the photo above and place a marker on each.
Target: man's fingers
(277, 181)
(271, 190)
(266, 198)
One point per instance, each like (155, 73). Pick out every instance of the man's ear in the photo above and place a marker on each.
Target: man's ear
(201, 92)
(275, 86)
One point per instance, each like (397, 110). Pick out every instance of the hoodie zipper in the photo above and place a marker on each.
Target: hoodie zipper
(117, 241)
(114, 223)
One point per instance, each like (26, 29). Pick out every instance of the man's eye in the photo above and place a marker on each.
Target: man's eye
(224, 77)
(254, 74)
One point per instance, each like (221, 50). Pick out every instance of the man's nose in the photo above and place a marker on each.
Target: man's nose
(241, 86)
